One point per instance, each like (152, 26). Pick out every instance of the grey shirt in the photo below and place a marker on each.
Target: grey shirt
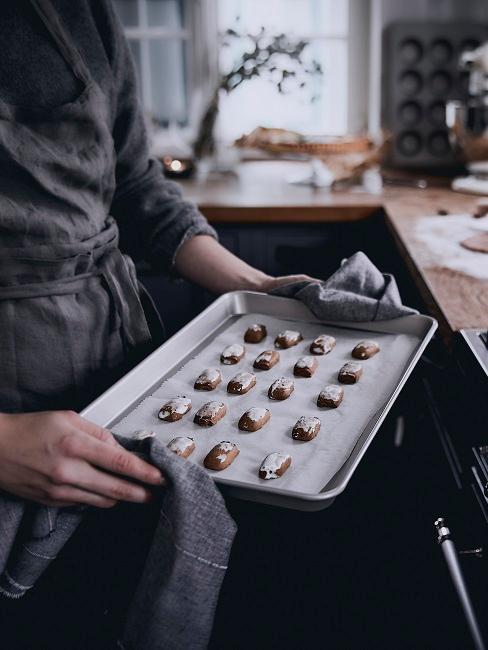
(153, 218)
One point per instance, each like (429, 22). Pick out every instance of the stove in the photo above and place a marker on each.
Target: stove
(473, 345)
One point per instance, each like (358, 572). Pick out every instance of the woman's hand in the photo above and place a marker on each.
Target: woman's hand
(57, 458)
(270, 283)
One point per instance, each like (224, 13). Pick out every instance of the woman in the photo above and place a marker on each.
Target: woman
(75, 177)
(77, 187)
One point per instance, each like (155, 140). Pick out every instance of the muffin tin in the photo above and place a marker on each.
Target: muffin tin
(420, 62)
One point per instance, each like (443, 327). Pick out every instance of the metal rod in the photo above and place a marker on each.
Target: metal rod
(451, 557)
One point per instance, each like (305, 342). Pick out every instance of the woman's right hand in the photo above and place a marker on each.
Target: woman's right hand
(58, 458)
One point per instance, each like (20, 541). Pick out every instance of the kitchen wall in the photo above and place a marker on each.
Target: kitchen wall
(466, 10)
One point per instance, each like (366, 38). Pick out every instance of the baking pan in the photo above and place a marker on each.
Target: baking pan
(121, 402)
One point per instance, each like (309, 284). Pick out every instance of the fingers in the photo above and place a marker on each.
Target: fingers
(96, 431)
(67, 495)
(105, 485)
(113, 459)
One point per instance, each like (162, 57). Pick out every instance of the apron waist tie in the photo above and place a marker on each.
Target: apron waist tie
(119, 279)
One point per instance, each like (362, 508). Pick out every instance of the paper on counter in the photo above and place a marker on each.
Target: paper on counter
(314, 463)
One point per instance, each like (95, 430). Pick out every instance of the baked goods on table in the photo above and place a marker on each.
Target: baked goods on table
(221, 456)
(274, 465)
(350, 373)
(254, 419)
(281, 388)
(232, 354)
(306, 428)
(266, 360)
(305, 367)
(209, 379)
(174, 409)
(331, 396)
(255, 333)
(287, 339)
(182, 446)
(365, 349)
(323, 344)
(241, 383)
(210, 413)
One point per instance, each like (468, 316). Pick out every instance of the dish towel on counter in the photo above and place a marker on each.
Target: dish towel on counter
(174, 603)
(357, 291)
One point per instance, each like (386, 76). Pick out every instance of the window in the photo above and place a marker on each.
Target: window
(158, 32)
(175, 44)
(330, 28)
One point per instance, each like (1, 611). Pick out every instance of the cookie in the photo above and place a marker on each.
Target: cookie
(350, 373)
(255, 333)
(232, 354)
(182, 446)
(142, 434)
(274, 465)
(305, 367)
(306, 428)
(221, 456)
(209, 379)
(241, 383)
(266, 360)
(323, 344)
(281, 389)
(331, 396)
(288, 338)
(254, 419)
(365, 349)
(174, 409)
(210, 413)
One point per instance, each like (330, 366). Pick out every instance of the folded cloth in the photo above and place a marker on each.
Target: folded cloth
(357, 291)
(175, 600)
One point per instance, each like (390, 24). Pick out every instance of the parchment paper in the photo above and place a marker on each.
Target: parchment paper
(314, 463)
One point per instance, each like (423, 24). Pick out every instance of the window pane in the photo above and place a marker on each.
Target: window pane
(288, 16)
(167, 74)
(167, 13)
(257, 102)
(127, 10)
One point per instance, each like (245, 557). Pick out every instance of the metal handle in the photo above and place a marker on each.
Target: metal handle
(451, 557)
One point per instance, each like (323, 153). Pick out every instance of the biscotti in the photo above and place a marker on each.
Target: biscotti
(254, 419)
(174, 409)
(232, 354)
(288, 338)
(274, 465)
(255, 333)
(266, 360)
(365, 349)
(182, 446)
(241, 383)
(350, 373)
(331, 396)
(142, 434)
(305, 367)
(306, 428)
(209, 379)
(221, 456)
(323, 344)
(281, 389)
(210, 413)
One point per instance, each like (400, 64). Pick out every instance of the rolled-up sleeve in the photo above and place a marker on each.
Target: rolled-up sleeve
(154, 220)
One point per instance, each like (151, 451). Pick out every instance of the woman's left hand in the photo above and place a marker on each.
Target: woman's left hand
(269, 283)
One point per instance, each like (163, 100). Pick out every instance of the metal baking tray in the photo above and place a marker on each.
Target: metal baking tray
(121, 399)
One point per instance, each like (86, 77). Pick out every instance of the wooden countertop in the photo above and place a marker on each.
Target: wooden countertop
(261, 193)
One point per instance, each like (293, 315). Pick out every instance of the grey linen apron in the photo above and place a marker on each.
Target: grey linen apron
(70, 312)
(71, 317)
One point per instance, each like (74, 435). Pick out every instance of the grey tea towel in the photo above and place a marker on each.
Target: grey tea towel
(175, 600)
(357, 291)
